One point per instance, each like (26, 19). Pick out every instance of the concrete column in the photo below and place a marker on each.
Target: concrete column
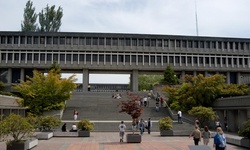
(248, 113)
(9, 76)
(232, 120)
(182, 74)
(85, 80)
(206, 74)
(134, 81)
(22, 74)
(228, 77)
(195, 73)
(238, 78)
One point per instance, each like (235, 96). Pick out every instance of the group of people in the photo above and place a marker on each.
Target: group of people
(73, 128)
(136, 125)
(219, 138)
(116, 96)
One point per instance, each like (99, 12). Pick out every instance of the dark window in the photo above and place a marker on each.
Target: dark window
(88, 57)
(183, 59)
(218, 60)
(55, 40)
(101, 41)
(9, 40)
(95, 41)
(147, 42)
(219, 45)
(49, 57)
(134, 42)
(101, 58)
(190, 44)
(229, 61)
(49, 40)
(236, 45)
(178, 43)
(165, 59)
(55, 57)
(177, 59)
(10, 56)
(202, 44)
(75, 57)
(88, 40)
(108, 41)
(81, 57)
(114, 42)
(121, 42)
(42, 40)
(114, 58)
(230, 45)
(207, 44)
(172, 43)
(62, 57)
(207, 60)
(36, 57)
(81, 41)
(140, 42)
(235, 61)
(139, 58)
(153, 42)
(108, 58)
(196, 44)
(189, 60)
(225, 45)
(213, 44)
(75, 40)
(201, 60)
(68, 40)
(22, 40)
(16, 56)
(223, 60)
(240, 61)
(159, 43)
(94, 57)
(184, 44)
(195, 59)
(246, 61)
(212, 60)
(127, 58)
(171, 59)
(62, 40)
(120, 58)
(68, 57)
(3, 56)
(42, 57)
(3, 39)
(165, 43)
(29, 57)
(241, 45)
(15, 39)
(158, 59)
(133, 58)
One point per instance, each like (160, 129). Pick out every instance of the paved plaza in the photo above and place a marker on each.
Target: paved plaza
(110, 141)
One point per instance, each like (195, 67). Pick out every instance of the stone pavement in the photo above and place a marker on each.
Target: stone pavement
(110, 141)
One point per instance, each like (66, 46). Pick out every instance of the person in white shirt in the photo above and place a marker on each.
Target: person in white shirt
(179, 113)
(122, 128)
(74, 128)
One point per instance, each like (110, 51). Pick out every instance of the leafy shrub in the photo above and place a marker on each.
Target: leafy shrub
(165, 123)
(246, 129)
(85, 125)
(48, 122)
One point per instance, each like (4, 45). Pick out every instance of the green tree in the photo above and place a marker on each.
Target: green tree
(50, 19)
(145, 82)
(29, 16)
(169, 77)
(46, 92)
(203, 114)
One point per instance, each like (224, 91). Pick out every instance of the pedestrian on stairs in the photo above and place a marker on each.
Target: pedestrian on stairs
(122, 128)
(75, 115)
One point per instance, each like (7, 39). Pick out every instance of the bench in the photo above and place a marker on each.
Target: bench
(65, 134)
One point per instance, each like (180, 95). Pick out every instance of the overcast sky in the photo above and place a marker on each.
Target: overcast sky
(221, 18)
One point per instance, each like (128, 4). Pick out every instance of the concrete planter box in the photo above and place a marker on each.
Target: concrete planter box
(245, 142)
(25, 145)
(44, 135)
(83, 133)
(133, 138)
(166, 133)
(65, 134)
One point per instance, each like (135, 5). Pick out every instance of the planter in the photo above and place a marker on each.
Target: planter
(44, 135)
(245, 142)
(23, 145)
(133, 138)
(166, 133)
(83, 133)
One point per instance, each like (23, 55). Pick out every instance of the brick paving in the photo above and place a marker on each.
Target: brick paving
(110, 141)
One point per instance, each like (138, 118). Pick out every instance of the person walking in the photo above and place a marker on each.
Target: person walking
(206, 135)
(142, 126)
(122, 128)
(219, 140)
(149, 125)
(179, 114)
(196, 134)
(75, 114)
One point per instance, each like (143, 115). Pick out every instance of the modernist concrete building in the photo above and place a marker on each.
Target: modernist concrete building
(21, 52)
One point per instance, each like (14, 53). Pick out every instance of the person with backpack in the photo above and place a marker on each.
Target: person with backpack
(219, 140)
(142, 126)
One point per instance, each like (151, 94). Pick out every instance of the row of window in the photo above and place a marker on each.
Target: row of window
(131, 42)
(88, 57)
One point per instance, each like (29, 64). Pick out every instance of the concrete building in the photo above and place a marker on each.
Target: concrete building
(21, 52)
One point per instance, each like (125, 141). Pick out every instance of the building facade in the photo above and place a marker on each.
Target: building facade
(21, 52)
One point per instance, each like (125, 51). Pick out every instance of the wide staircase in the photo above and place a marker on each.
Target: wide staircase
(101, 108)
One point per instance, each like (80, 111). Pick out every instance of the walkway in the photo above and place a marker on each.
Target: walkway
(110, 141)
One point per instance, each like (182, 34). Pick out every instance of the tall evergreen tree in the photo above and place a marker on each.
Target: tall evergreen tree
(29, 16)
(50, 19)
(170, 77)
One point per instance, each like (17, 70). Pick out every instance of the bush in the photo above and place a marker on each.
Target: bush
(15, 128)
(165, 123)
(48, 122)
(85, 125)
(246, 129)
